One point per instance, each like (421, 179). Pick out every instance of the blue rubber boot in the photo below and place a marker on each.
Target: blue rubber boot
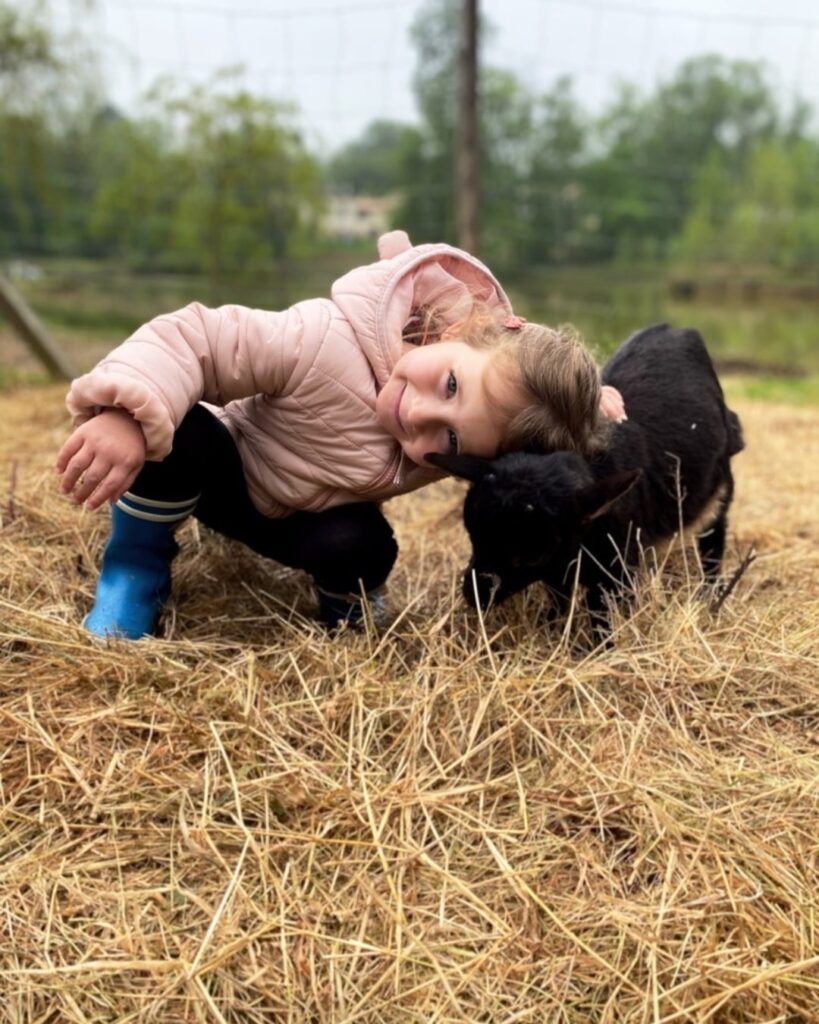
(135, 578)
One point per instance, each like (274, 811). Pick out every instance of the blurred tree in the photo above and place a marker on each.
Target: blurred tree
(428, 209)
(45, 70)
(140, 179)
(48, 92)
(652, 148)
(553, 207)
(25, 150)
(506, 150)
(26, 51)
(26, 47)
(768, 216)
(505, 138)
(251, 192)
(373, 165)
(558, 186)
(215, 179)
(703, 233)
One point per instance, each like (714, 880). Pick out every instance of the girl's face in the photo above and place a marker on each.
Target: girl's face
(436, 400)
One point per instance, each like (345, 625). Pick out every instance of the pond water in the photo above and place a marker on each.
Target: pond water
(765, 335)
(93, 305)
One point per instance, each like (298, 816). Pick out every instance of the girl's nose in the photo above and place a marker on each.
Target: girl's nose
(421, 412)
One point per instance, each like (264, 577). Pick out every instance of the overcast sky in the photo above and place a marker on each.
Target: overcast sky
(346, 62)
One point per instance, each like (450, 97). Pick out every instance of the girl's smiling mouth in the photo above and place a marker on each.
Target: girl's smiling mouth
(397, 411)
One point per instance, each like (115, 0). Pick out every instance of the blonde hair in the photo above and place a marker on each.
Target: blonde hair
(546, 388)
(561, 384)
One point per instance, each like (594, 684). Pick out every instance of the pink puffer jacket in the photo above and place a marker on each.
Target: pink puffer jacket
(296, 388)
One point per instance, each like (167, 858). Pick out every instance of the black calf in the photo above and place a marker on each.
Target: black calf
(666, 468)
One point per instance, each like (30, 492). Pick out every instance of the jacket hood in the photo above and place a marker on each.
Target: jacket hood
(378, 299)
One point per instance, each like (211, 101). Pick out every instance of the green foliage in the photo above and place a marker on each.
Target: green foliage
(251, 193)
(768, 217)
(653, 148)
(213, 180)
(707, 168)
(374, 164)
(26, 49)
(428, 207)
(139, 182)
(652, 174)
(510, 121)
(34, 156)
(555, 209)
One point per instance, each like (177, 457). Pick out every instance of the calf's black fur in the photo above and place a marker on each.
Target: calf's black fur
(667, 467)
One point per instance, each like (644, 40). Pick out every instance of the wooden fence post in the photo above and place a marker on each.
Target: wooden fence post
(466, 164)
(22, 318)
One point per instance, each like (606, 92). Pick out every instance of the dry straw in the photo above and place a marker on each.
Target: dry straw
(445, 820)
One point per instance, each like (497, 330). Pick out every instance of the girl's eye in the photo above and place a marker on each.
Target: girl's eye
(453, 442)
(451, 384)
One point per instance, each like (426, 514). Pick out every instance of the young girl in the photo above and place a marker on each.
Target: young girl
(316, 415)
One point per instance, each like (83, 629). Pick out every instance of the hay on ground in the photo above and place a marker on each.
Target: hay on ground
(445, 820)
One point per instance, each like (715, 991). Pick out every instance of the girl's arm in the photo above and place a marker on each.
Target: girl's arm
(196, 354)
(102, 458)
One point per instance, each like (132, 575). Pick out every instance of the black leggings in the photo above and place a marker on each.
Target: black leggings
(343, 548)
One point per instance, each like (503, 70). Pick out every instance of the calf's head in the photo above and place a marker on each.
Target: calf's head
(525, 514)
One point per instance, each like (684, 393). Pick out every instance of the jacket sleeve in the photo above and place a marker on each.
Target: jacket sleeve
(195, 354)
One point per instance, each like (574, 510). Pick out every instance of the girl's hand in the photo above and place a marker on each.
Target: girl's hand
(102, 458)
(611, 404)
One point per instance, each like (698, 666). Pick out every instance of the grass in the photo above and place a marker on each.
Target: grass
(448, 819)
(792, 391)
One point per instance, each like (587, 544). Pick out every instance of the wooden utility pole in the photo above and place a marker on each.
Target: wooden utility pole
(22, 318)
(467, 168)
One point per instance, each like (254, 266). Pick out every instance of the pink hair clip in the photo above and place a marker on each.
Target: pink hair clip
(514, 323)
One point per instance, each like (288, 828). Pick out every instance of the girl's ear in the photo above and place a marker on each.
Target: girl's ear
(468, 467)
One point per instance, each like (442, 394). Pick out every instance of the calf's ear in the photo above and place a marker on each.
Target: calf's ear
(601, 495)
(468, 467)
